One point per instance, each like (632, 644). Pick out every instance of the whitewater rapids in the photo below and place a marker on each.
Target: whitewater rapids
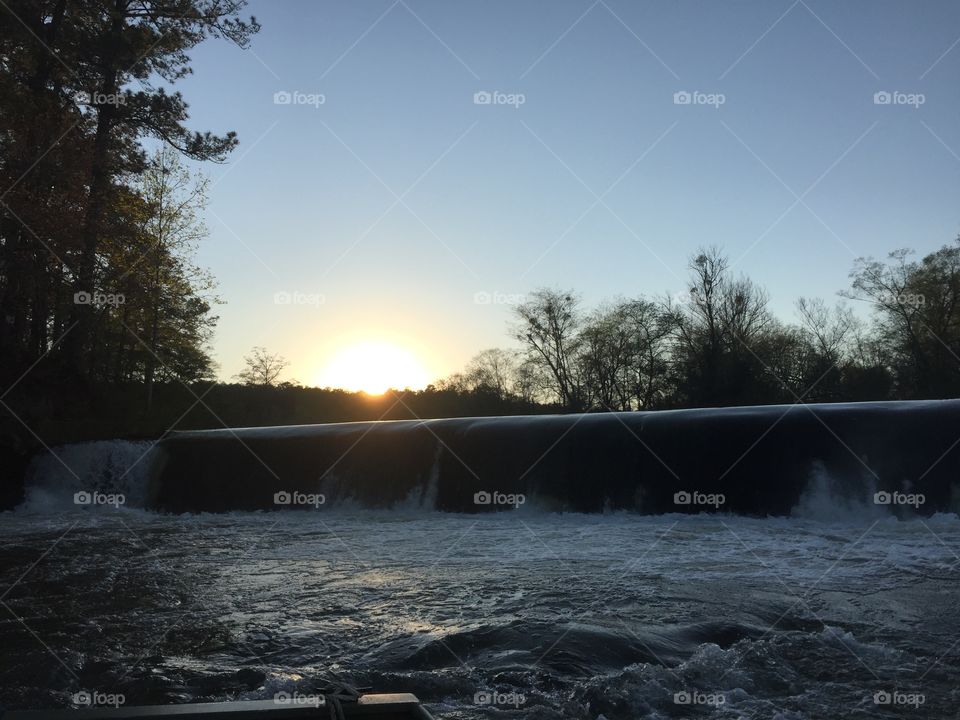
(530, 613)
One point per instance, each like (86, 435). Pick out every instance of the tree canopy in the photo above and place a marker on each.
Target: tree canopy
(717, 343)
(95, 265)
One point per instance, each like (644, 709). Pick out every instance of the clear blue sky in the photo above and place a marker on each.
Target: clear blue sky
(499, 198)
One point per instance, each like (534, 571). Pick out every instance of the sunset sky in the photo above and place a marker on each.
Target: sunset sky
(400, 213)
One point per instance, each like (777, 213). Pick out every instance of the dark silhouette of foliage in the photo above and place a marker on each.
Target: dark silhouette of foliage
(717, 344)
(76, 99)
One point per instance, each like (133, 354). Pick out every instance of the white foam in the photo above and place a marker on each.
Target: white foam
(424, 497)
(831, 499)
(111, 467)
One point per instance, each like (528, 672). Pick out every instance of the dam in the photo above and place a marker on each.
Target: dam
(748, 460)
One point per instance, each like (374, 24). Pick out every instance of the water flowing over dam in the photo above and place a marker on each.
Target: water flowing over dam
(751, 460)
(580, 565)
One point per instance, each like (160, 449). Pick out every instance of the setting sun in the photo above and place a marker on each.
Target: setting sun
(374, 368)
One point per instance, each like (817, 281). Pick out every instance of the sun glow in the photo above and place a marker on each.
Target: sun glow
(374, 368)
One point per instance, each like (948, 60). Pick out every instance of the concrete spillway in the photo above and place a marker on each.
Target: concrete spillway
(757, 460)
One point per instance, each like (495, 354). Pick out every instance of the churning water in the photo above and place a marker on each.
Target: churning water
(522, 613)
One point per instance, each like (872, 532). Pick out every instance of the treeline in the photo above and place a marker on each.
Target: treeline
(717, 343)
(117, 409)
(60, 414)
(96, 233)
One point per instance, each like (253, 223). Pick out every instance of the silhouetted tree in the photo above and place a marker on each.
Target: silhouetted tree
(826, 353)
(77, 95)
(548, 330)
(493, 370)
(262, 368)
(917, 317)
(647, 329)
(716, 329)
(622, 355)
(174, 200)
